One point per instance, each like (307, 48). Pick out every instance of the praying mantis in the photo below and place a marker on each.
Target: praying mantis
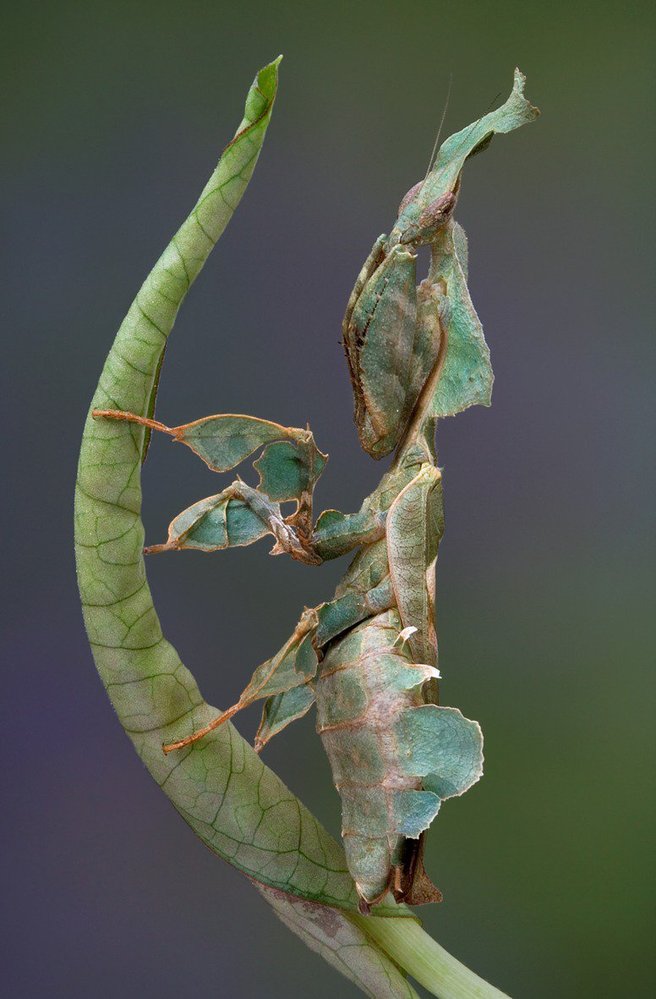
(368, 657)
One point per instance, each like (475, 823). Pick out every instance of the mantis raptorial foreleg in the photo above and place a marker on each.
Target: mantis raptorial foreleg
(368, 657)
(288, 468)
(294, 666)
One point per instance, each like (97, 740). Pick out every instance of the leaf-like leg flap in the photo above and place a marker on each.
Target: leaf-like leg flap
(225, 440)
(222, 441)
(336, 533)
(442, 747)
(287, 470)
(238, 516)
(293, 666)
(414, 811)
(414, 527)
(337, 616)
(226, 520)
(282, 709)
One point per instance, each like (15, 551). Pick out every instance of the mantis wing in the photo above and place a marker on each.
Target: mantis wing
(465, 378)
(379, 334)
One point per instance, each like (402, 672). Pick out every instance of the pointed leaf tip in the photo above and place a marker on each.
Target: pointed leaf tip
(266, 79)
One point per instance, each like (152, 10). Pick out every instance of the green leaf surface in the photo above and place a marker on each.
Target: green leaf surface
(336, 533)
(237, 806)
(294, 665)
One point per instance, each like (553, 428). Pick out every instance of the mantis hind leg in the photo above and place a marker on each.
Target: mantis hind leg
(294, 666)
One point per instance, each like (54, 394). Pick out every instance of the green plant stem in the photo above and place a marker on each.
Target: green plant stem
(422, 957)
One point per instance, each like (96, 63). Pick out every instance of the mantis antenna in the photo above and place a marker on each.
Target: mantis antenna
(439, 130)
(478, 120)
(471, 127)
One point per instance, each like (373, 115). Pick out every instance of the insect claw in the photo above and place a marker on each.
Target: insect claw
(430, 671)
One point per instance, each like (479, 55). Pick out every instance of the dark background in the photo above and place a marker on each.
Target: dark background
(115, 114)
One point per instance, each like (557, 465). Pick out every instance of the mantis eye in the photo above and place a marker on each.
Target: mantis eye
(410, 196)
(430, 221)
(437, 212)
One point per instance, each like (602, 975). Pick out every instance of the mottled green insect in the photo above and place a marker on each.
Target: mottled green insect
(368, 657)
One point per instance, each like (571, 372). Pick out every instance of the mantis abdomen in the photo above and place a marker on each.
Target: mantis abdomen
(368, 694)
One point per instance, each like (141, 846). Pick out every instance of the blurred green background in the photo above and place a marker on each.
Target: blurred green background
(114, 114)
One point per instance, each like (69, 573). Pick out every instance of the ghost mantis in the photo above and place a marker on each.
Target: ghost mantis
(368, 656)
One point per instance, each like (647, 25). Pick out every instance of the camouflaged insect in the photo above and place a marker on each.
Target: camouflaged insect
(368, 657)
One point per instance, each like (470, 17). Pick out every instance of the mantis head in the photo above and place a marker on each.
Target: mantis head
(429, 205)
(392, 329)
(420, 219)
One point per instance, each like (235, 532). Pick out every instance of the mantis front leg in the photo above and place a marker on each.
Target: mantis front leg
(288, 467)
